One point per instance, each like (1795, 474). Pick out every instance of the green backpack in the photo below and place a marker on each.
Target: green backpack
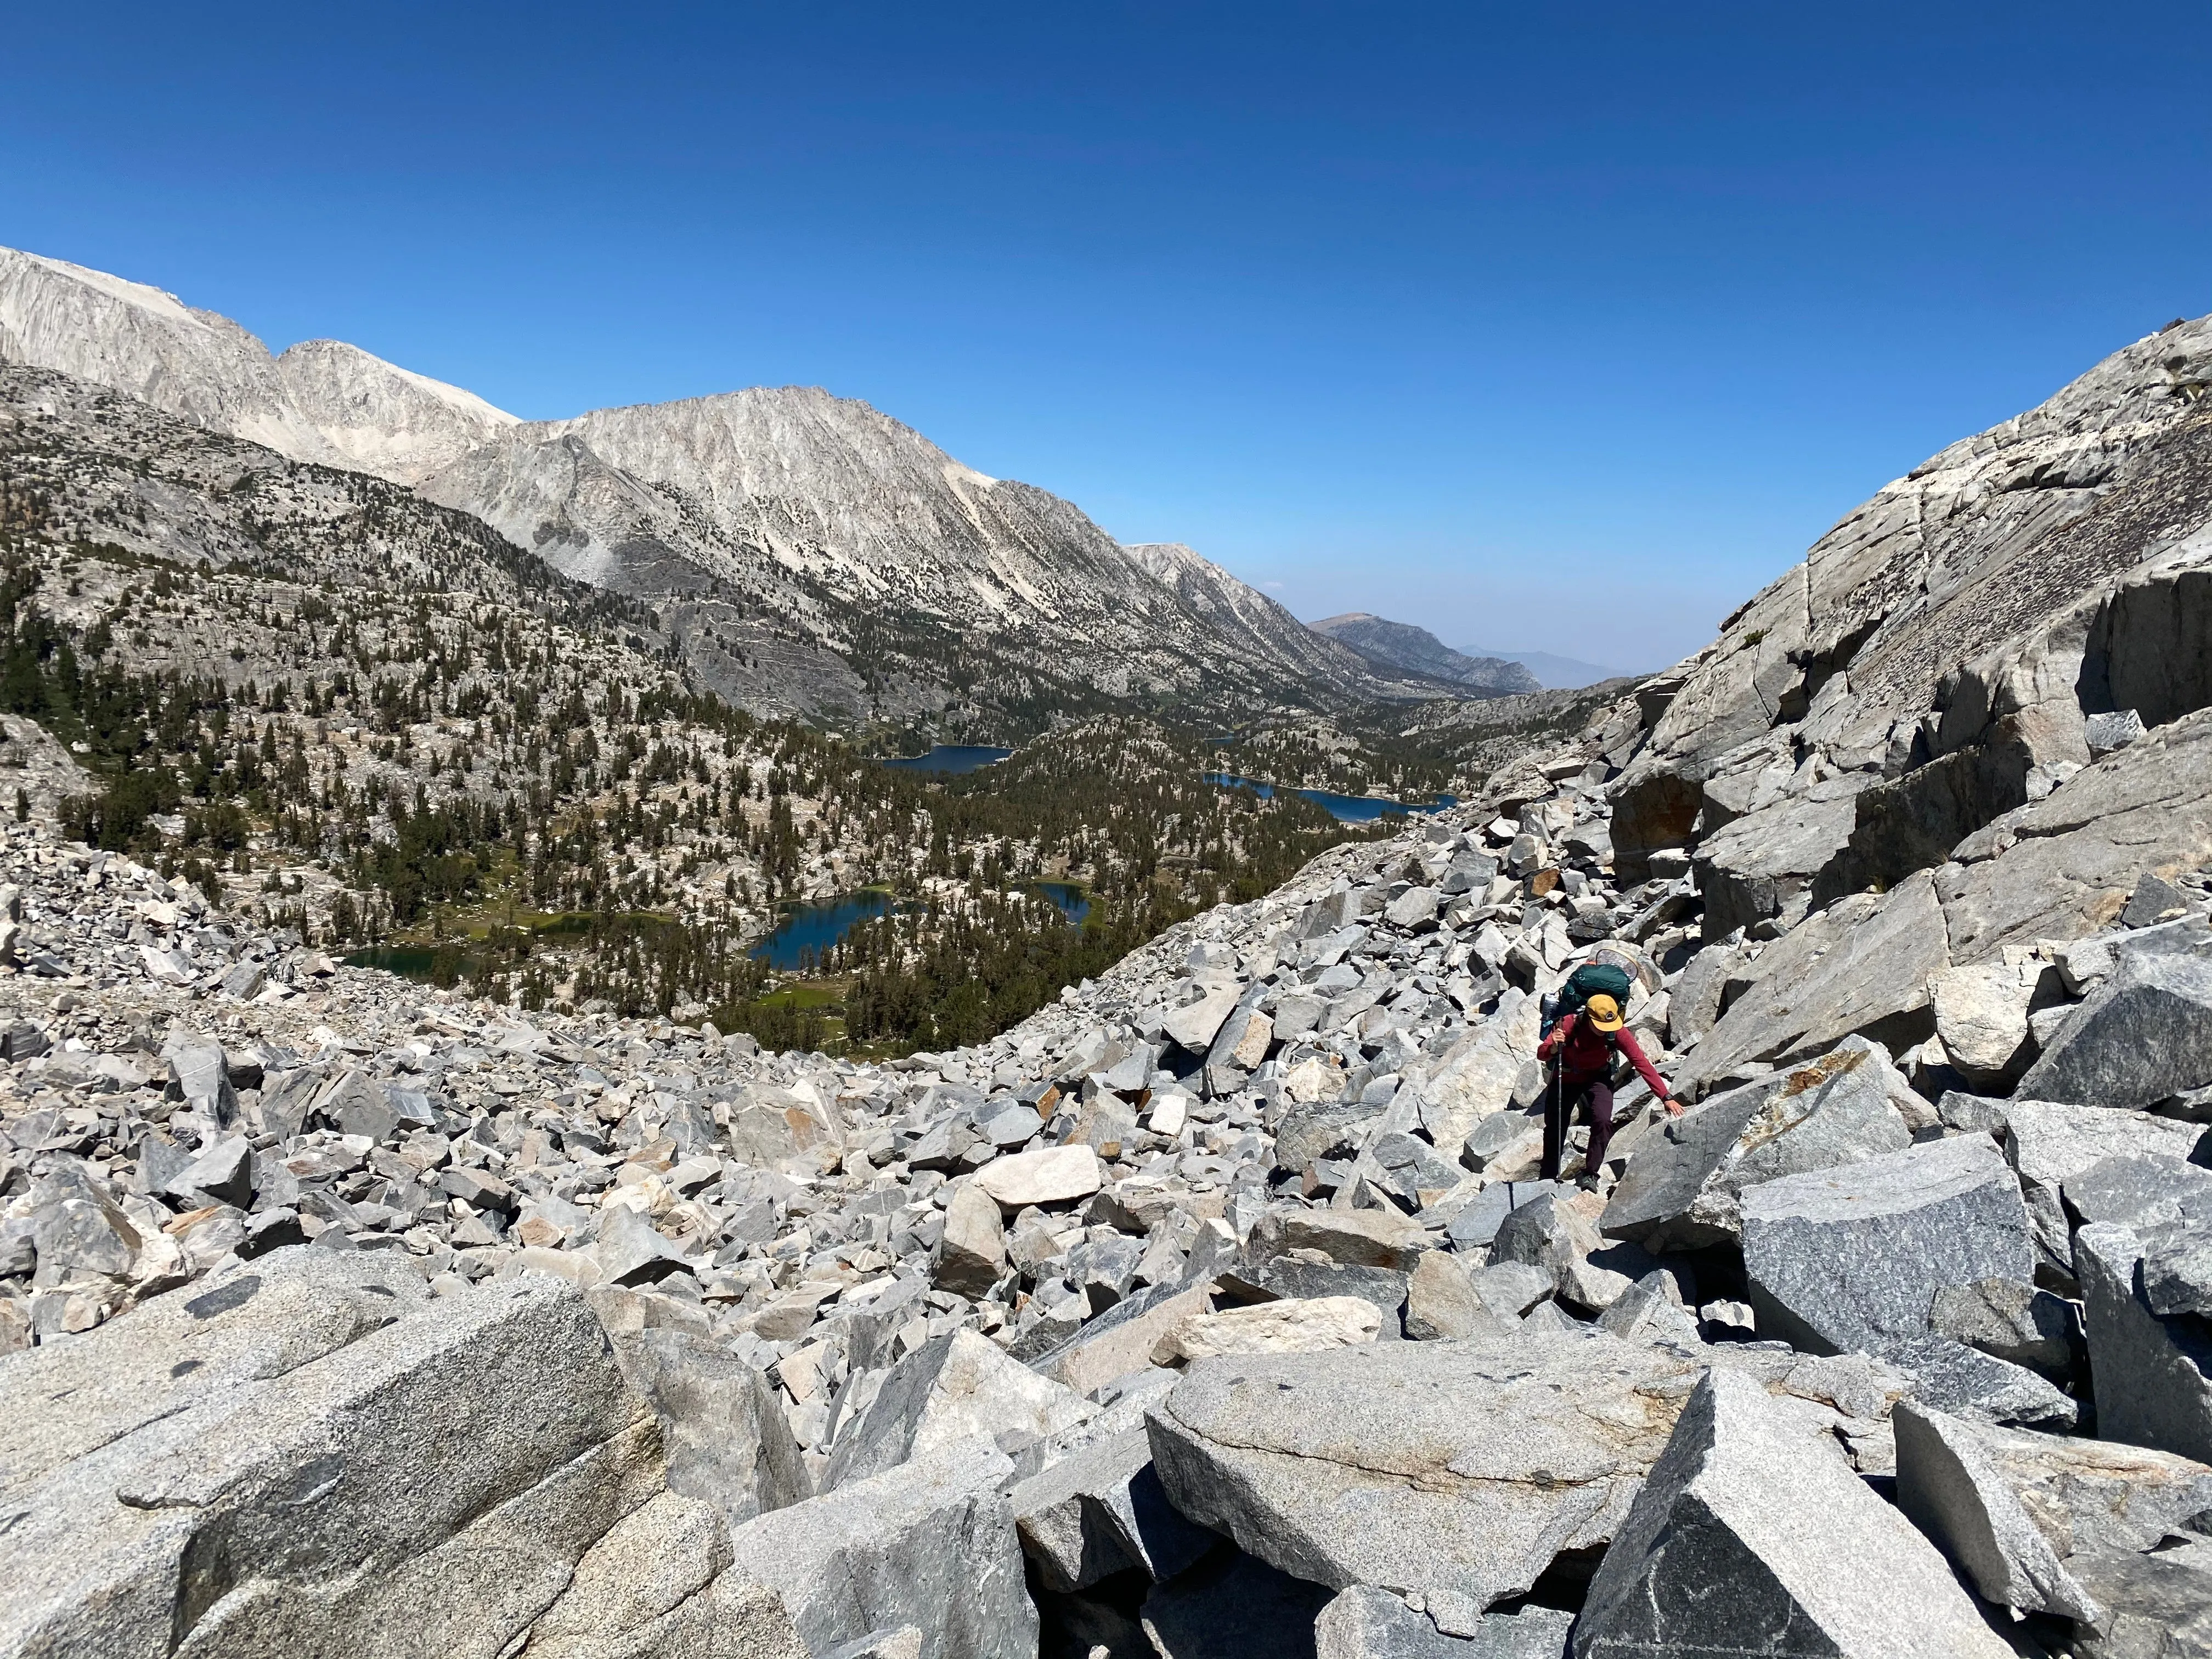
(1592, 979)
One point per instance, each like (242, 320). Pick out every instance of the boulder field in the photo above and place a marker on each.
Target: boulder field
(1221, 1309)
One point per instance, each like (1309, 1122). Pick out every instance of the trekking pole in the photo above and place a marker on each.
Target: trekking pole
(1557, 1129)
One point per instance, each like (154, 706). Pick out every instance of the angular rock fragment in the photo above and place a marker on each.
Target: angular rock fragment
(286, 1460)
(1353, 1238)
(223, 1171)
(2177, 1270)
(1966, 1383)
(1683, 1188)
(929, 1544)
(1651, 1310)
(1475, 1226)
(2142, 1190)
(199, 1076)
(1100, 1510)
(1321, 1129)
(2158, 1604)
(1475, 1077)
(952, 1389)
(2153, 1376)
(1194, 1025)
(723, 1434)
(1728, 1507)
(1291, 1326)
(1981, 1018)
(1862, 966)
(2105, 732)
(630, 1250)
(1511, 1288)
(658, 1583)
(1292, 1278)
(1441, 1303)
(1121, 1340)
(1238, 1048)
(2144, 1034)
(2011, 1507)
(1421, 1467)
(2049, 1144)
(1052, 1174)
(971, 1256)
(1853, 1257)
(2013, 1322)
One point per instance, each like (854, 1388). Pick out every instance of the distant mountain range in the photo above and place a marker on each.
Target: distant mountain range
(1560, 673)
(1475, 672)
(808, 555)
(1402, 646)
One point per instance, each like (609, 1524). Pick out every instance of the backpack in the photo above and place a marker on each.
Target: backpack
(1591, 980)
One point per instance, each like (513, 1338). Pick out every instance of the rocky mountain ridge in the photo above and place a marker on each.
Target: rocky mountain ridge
(1402, 646)
(812, 556)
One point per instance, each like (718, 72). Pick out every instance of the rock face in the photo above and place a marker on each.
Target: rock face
(1853, 1257)
(835, 520)
(2144, 1035)
(254, 1479)
(149, 345)
(1862, 967)
(1683, 1187)
(1728, 1504)
(928, 1546)
(1931, 664)
(2153, 1374)
(1415, 1465)
(378, 418)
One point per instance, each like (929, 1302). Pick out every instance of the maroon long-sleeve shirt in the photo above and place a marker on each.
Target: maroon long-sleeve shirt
(1586, 1053)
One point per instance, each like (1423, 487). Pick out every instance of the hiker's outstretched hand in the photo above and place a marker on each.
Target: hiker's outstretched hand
(1674, 1106)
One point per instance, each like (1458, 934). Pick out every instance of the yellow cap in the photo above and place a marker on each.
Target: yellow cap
(1604, 1012)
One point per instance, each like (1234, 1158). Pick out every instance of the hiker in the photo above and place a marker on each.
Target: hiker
(1581, 1047)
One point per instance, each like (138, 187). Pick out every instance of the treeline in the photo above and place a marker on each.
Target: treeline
(445, 756)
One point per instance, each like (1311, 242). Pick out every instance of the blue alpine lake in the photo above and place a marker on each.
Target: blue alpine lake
(1345, 809)
(1073, 902)
(815, 927)
(950, 760)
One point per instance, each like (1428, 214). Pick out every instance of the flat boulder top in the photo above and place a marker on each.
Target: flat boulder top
(1053, 1174)
(1460, 1467)
(1445, 1414)
(1895, 1184)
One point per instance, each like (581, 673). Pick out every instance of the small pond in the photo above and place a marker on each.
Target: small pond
(408, 961)
(951, 759)
(1345, 809)
(1075, 904)
(815, 927)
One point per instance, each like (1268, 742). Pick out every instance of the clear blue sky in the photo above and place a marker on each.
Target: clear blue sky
(1547, 327)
